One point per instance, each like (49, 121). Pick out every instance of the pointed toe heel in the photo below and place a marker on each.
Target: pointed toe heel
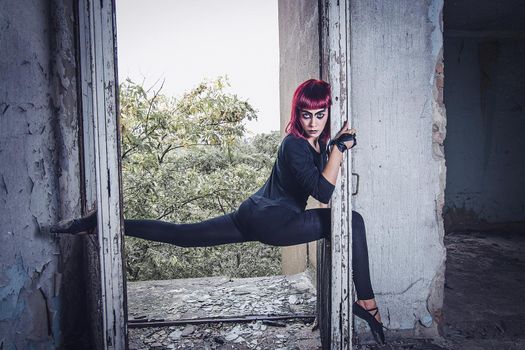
(86, 223)
(376, 327)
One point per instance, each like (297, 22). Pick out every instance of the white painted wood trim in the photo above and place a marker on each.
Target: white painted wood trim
(86, 96)
(97, 45)
(338, 68)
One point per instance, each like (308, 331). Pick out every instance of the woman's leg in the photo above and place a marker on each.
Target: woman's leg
(314, 224)
(302, 227)
(360, 268)
(215, 231)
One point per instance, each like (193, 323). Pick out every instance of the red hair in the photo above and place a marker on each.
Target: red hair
(311, 94)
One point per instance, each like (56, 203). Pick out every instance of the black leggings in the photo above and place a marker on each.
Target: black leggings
(306, 226)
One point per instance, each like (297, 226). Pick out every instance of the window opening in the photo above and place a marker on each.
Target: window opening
(183, 161)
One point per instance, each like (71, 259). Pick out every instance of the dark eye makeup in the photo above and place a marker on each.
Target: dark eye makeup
(306, 115)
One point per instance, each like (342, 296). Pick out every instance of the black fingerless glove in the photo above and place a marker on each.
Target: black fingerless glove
(340, 141)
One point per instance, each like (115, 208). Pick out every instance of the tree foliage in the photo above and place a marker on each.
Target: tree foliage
(187, 160)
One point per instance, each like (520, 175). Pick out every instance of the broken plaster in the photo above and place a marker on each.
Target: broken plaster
(431, 317)
(13, 280)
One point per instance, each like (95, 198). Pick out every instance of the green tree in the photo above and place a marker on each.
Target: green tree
(187, 160)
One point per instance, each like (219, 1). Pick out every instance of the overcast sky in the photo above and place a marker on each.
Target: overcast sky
(184, 42)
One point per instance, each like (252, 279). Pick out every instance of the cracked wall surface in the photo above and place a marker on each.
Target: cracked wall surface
(397, 101)
(41, 288)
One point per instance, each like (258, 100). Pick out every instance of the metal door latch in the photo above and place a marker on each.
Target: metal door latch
(356, 184)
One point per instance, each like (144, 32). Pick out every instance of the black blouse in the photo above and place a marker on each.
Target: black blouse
(297, 174)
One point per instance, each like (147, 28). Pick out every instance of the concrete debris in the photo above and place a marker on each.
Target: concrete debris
(478, 313)
(220, 296)
(188, 330)
(175, 335)
(295, 335)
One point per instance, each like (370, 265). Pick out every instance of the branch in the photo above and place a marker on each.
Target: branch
(152, 101)
(161, 159)
(220, 204)
(127, 152)
(173, 207)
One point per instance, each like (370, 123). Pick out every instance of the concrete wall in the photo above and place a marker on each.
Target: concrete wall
(397, 107)
(299, 61)
(396, 78)
(485, 99)
(42, 291)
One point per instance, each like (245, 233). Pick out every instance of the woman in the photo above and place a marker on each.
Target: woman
(276, 213)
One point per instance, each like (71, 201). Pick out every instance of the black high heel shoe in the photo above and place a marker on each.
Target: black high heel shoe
(87, 223)
(376, 327)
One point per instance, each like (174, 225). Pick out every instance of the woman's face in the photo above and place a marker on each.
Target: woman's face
(313, 121)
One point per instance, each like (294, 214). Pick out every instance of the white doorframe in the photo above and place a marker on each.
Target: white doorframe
(101, 151)
(335, 58)
(101, 145)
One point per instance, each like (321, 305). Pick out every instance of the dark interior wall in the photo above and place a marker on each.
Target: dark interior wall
(485, 102)
(42, 288)
(479, 15)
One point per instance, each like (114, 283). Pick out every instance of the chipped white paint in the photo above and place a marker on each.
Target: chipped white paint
(39, 179)
(86, 104)
(338, 65)
(101, 132)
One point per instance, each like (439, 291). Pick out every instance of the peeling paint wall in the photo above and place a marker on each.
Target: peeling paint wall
(485, 99)
(397, 80)
(299, 61)
(41, 284)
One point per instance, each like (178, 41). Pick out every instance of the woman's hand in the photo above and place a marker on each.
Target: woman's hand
(335, 158)
(345, 130)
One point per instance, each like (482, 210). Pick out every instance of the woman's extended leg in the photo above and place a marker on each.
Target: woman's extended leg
(215, 231)
(314, 224)
(218, 230)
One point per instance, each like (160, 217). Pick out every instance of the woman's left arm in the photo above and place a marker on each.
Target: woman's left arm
(335, 158)
(331, 170)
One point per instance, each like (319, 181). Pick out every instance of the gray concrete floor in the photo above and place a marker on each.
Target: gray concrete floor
(484, 305)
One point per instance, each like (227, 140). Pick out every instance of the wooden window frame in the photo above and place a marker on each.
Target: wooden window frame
(98, 94)
(335, 268)
(102, 170)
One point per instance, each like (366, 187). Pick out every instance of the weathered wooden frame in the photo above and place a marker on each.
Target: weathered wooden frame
(334, 17)
(97, 48)
(101, 154)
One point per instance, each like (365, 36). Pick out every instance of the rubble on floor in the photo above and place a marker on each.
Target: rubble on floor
(254, 335)
(483, 307)
(221, 296)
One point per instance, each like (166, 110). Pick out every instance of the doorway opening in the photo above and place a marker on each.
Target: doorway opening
(484, 213)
